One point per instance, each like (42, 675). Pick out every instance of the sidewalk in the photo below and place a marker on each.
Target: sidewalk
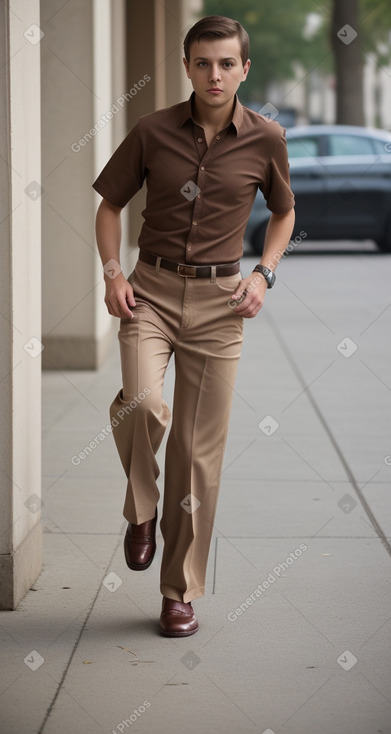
(295, 626)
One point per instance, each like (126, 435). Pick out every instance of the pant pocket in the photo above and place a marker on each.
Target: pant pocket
(229, 283)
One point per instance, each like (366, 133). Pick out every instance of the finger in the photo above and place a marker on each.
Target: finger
(237, 299)
(243, 305)
(124, 309)
(249, 309)
(130, 296)
(239, 294)
(119, 309)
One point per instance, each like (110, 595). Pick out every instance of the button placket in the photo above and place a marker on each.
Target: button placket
(203, 152)
(197, 208)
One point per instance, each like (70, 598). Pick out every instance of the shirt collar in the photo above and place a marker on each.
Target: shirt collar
(187, 113)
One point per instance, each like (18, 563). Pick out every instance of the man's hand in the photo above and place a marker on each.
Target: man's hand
(250, 295)
(119, 296)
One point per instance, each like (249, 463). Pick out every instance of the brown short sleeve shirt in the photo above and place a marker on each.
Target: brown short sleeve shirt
(199, 198)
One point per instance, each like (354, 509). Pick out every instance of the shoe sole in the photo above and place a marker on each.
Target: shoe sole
(179, 634)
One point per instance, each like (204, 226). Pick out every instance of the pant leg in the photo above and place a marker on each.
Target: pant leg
(138, 413)
(206, 362)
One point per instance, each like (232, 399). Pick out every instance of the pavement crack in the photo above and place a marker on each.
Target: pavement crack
(285, 349)
(75, 646)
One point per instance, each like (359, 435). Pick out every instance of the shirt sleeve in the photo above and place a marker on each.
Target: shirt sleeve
(277, 186)
(124, 173)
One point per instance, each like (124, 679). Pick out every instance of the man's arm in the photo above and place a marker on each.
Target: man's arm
(119, 293)
(278, 234)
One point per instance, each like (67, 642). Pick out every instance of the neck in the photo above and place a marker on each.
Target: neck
(215, 117)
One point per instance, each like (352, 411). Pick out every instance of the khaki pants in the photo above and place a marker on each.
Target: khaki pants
(191, 318)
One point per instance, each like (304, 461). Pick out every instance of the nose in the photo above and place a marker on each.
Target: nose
(215, 73)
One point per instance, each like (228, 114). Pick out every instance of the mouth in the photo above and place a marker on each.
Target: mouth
(214, 90)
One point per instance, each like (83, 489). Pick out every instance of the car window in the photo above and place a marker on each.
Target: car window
(303, 147)
(350, 145)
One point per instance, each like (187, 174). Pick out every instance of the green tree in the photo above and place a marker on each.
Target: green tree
(371, 21)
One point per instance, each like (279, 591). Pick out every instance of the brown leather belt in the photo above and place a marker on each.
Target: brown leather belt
(190, 271)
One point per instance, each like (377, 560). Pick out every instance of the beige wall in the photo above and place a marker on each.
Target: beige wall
(83, 67)
(20, 301)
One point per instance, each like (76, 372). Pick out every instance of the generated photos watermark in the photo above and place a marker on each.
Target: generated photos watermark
(233, 302)
(291, 246)
(347, 347)
(114, 109)
(347, 34)
(272, 577)
(126, 723)
(190, 503)
(34, 660)
(115, 421)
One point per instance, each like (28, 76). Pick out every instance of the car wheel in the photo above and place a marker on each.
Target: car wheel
(258, 238)
(384, 243)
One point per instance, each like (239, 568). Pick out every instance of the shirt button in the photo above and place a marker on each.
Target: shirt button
(189, 247)
(202, 168)
(194, 222)
(217, 137)
(198, 196)
(200, 140)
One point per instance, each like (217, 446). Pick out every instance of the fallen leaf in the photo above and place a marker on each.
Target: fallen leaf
(127, 649)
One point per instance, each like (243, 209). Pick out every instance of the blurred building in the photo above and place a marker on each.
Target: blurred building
(312, 96)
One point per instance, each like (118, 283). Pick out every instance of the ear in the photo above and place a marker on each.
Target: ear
(246, 69)
(186, 65)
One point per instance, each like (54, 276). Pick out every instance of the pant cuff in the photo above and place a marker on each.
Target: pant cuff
(185, 596)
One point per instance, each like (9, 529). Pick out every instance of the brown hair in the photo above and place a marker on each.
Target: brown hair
(217, 26)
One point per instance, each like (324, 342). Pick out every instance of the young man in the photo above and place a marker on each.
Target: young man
(203, 161)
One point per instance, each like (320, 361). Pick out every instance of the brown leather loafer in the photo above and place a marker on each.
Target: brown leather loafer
(177, 618)
(140, 544)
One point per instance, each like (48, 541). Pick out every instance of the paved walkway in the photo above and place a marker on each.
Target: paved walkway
(295, 626)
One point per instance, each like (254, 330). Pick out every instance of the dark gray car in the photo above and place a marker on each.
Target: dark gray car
(341, 178)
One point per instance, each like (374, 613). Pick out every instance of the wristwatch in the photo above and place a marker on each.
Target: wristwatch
(267, 274)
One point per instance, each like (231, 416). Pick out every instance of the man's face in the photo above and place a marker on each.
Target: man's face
(216, 69)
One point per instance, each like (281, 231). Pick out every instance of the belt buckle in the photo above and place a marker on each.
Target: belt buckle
(187, 271)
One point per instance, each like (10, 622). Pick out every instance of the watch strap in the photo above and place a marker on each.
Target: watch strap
(267, 274)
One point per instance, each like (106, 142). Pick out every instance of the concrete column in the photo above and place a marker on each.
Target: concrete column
(180, 17)
(20, 300)
(81, 116)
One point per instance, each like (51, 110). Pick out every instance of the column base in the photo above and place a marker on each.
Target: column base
(75, 352)
(19, 570)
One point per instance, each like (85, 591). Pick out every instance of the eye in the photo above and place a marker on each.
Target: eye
(228, 64)
(202, 63)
